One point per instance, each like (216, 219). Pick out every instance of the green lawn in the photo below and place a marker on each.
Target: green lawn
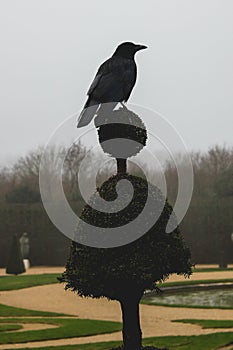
(212, 269)
(26, 281)
(208, 323)
(66, 328)
(10, 327)
(9, 311)
(201, 342)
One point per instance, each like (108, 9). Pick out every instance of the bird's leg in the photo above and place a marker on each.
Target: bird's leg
(123, 105)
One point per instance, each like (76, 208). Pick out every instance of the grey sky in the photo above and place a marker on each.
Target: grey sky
(50, 50)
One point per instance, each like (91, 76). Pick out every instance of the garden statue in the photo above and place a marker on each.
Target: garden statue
(25, 247)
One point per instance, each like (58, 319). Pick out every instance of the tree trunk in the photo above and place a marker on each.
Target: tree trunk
(132, 334)
(121, 166)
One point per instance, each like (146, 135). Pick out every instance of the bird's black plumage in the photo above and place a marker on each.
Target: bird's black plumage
(113, 82)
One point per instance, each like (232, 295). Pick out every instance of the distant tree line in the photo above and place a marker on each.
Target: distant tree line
(208, 224)
(206, 227)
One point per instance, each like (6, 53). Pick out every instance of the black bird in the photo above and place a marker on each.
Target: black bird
(113, 82)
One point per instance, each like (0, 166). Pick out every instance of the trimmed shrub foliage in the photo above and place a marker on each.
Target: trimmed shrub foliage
(112, 272)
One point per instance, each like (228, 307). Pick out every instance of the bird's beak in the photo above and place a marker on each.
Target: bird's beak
(141, 47)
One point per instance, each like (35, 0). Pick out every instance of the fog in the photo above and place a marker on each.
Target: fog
(51, 49)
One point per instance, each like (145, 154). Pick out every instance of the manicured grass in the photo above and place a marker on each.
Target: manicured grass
(91, 346)
(9, 311)
(67, 328)
(26, 281)
(201, 342)
(212, 269)
(208, 323)
(10, 327)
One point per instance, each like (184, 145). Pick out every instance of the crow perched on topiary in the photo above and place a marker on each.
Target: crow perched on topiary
(113, 82)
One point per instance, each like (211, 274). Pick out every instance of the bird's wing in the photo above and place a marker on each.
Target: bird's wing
(86, 115)
(113, 81)
(129, 79)
(94, 84)
(103, 70)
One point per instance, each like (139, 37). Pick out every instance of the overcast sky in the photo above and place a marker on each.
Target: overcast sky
(51, 49)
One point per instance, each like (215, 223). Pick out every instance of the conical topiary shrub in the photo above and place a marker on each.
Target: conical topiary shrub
(125, 272)
(15, 264)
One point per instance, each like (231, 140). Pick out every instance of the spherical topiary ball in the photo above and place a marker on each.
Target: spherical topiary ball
(122, 134)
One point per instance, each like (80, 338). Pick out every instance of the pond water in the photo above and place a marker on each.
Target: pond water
(213, 297)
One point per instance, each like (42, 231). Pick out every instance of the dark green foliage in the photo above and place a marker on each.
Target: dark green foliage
(125, 272)
(23, 194)
(129, 126)
(15, 264)
(108, 192)
(114, 272)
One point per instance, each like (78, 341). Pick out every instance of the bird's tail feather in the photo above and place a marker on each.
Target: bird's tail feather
(87, 114)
